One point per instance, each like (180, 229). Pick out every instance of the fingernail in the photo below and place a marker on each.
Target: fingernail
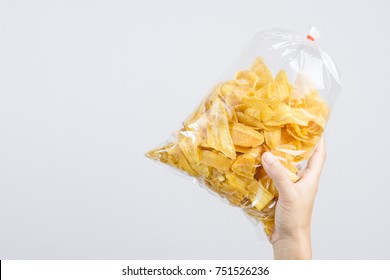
(268, 158)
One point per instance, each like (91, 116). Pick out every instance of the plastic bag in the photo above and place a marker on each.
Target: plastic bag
(276, 97)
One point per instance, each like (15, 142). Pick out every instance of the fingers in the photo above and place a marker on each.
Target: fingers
(277, 172)
(316, 161)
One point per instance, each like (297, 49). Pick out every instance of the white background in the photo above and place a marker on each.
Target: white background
(86, 87)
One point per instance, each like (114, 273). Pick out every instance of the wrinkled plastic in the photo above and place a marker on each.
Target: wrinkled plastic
(276, 97)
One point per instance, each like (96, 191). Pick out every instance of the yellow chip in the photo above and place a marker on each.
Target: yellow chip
(215, 160)
(218, 135)
(246, 78)
(272, 137)
(243, 150)
(245, 136)
(282, 79)
(238, 182)
(249, 121)
(253, 113)
(263, 73)
(189, 142)
(261, 197)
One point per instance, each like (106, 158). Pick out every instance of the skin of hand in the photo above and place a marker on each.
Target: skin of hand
(291, 236)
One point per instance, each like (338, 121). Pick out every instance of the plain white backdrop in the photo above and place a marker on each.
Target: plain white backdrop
(87, 87)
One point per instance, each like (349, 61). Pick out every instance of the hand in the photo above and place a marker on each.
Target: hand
(291, 236)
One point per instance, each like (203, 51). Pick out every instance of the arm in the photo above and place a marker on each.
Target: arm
(291, 236)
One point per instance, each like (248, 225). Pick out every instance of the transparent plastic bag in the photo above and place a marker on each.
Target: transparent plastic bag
(276, 97)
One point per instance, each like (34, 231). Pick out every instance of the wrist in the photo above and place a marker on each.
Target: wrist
(293, 246)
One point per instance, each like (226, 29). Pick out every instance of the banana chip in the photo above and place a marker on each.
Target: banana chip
(221, 143)
(215, 160)
(245, 136)
(272, 137)
(263, 73)
(246, 164)
(259, 196)
(218, 135)
(246, 78)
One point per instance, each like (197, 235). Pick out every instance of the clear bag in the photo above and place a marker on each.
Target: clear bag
(276, 97)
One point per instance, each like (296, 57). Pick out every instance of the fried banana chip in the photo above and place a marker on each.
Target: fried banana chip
(263, 73)
(215, 160)
(246, 164)
(272, 137)
(189, 142)
(259, 196)
(218, 135)
(238, 182)
(249, 121)
(245, 136)
(246, 78)
(243, 150)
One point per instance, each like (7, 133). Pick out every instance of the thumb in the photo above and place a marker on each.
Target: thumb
(277, 172)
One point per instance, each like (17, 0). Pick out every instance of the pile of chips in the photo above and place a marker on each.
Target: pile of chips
(221, 143)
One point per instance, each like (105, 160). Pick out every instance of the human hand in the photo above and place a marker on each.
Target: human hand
(291, 236)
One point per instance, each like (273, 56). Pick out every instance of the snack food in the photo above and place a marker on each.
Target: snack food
(221, 143)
